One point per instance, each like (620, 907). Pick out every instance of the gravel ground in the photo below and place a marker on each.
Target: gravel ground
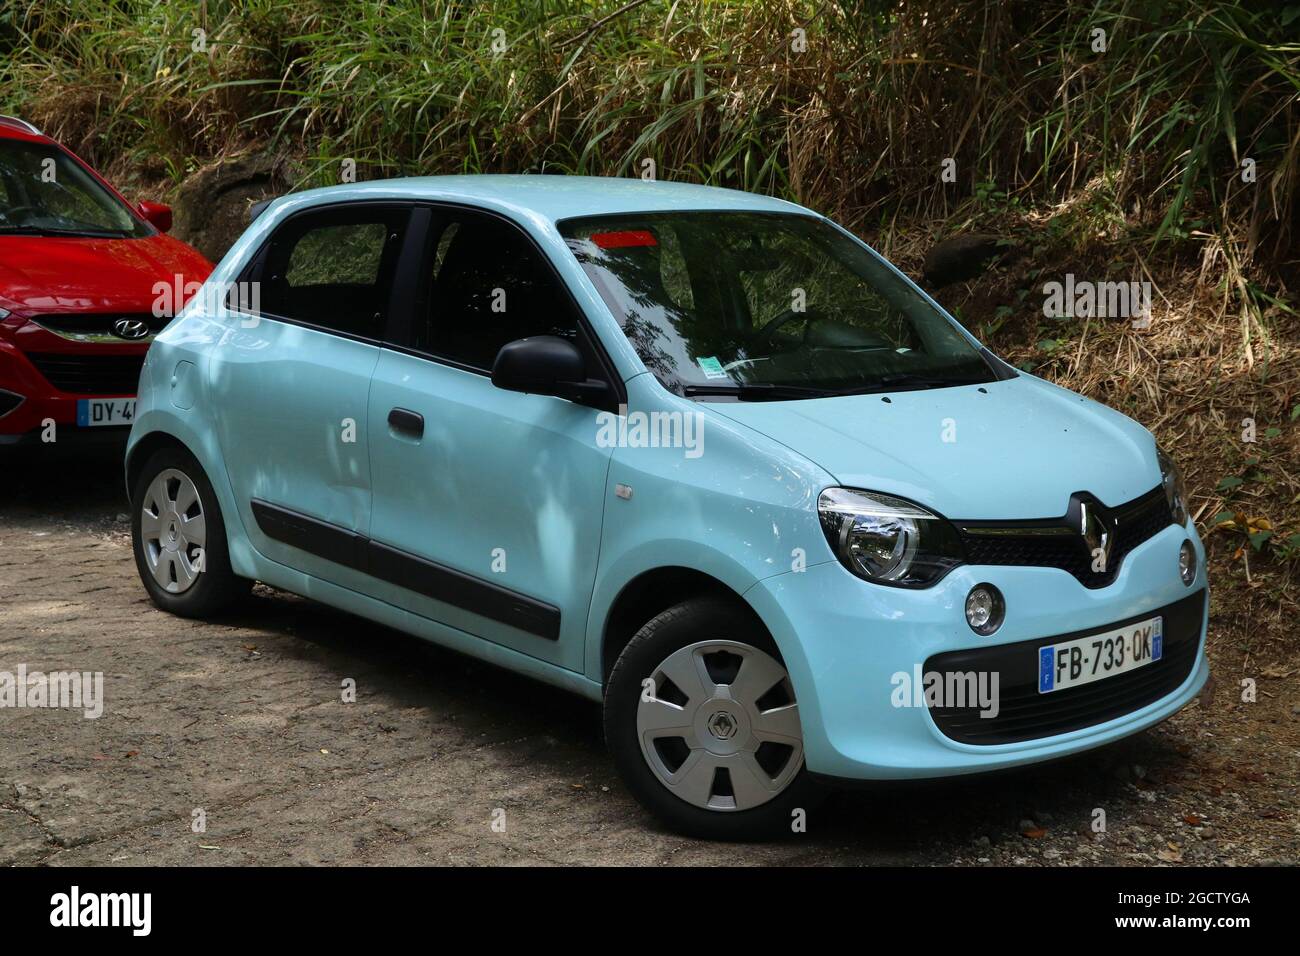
(242, 719)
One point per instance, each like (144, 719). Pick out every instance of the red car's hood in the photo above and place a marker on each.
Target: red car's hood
(55, 274)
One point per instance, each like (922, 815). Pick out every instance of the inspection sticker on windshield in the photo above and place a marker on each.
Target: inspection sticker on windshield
(1099, 656)
(711, 367)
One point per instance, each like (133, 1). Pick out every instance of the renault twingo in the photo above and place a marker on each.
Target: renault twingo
(698, 454)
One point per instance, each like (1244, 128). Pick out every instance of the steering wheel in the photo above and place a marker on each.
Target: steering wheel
(7, 214)
(766, 334)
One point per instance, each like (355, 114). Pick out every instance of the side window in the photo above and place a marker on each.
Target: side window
(487, 285)
(334, 269)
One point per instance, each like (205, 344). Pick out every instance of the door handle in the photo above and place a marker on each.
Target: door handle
(405, 420)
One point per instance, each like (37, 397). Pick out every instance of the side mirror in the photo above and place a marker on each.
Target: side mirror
(546, 365)
(156, 214)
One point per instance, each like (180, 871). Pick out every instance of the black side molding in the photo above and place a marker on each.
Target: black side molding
(464, 591)
(437, 581)
(320, 538)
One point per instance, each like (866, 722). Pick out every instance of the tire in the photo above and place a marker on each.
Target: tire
(185, 566)
(710, 668)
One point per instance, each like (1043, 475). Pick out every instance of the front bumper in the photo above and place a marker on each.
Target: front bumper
(41, 401)
(844, 640)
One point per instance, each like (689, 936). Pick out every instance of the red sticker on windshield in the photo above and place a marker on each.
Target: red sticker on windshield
(624, 240)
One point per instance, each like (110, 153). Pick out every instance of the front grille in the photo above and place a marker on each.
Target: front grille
(90, 374)
(98, 326)
(1025, 714)
(1057, 543)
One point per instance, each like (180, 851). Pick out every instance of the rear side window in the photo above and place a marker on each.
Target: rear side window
(333, 269)
(486, 284)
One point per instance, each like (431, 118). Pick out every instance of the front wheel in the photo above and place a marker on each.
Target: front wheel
(703, 725)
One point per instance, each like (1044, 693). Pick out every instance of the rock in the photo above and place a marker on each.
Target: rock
(211, 207)
(983, 842)
(961, 258)
(1206, 833)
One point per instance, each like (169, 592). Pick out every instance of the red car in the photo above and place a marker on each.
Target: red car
(82, 280)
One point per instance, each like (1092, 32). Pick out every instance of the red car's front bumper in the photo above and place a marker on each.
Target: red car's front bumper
(43, 376)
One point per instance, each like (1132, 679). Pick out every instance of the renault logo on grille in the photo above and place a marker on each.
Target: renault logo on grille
(1098, 530)
(130, 328)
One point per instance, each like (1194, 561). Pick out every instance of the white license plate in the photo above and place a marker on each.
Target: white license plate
(105, 411)
(1099, 656)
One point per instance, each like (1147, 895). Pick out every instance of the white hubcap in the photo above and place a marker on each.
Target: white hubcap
(173, 531)
(720, 726)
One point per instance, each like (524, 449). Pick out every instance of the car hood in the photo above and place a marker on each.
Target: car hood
(56, 274)
(1019, 447)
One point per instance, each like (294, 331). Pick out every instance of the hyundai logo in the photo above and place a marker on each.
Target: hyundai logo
(130, 328)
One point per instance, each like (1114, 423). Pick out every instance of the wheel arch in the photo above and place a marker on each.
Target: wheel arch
(144, 448)
(650, 593)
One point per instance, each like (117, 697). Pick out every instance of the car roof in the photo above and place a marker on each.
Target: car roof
(11, 127)
(545, 196)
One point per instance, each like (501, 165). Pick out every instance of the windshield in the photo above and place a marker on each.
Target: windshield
(766, 305)
(45, 192)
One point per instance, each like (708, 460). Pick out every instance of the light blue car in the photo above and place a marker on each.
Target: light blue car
(698, 454)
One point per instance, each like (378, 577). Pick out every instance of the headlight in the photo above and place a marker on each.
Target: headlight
(4, 314)
(1175, 490)
(888, 540)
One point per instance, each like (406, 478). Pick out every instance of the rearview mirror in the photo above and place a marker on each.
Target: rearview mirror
(156, 214)
(547, 365)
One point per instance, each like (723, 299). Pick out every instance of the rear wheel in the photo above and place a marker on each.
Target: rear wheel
(702, 721)
(179, 538)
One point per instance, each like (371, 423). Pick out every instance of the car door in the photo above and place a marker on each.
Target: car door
(292, 380)
(487, 503)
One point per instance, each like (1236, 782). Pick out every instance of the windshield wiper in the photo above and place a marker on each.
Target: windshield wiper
(48, 231)
(758, 391)
(83, 233)
(906, 381)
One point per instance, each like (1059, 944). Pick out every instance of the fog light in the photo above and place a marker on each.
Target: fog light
(1186, 564)
(985, 609)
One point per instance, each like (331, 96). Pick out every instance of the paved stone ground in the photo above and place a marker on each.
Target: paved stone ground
(243, 718)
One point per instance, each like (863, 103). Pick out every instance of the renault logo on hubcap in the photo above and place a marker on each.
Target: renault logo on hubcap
(722, 725)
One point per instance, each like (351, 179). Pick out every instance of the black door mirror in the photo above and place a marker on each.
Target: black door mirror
(547, 365)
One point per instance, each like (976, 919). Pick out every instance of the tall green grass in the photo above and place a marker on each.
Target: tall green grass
(1154, 129)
